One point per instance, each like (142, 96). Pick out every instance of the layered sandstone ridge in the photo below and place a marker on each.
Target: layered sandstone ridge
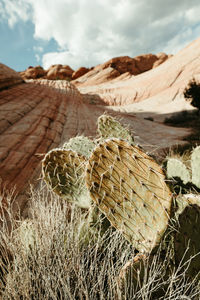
(8, 77)
(161, 87)
(116, 67)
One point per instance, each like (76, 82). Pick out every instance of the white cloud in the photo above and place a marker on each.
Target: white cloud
(15, 10)
(37, 57)
(38, 49)
(89, 32)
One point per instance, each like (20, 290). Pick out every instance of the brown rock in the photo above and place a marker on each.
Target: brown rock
(62, 72)
(33, 73)
(161, 87)
(80, 72)
(8, 77)
(145, 62)
(121, 65)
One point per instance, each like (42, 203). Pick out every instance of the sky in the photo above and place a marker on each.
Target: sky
(88, 32)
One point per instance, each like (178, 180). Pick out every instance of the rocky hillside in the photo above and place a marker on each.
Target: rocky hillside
(41, 114)
(161, 87)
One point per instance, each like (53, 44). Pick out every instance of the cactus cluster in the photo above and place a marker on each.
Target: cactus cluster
(114, 178)
(176, 168)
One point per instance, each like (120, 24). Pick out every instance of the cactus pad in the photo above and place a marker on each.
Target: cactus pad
(81, 144)
(176, 168)
(109, 127)
(129, 188)
(195, 164)
(63, 170)
(187, 243)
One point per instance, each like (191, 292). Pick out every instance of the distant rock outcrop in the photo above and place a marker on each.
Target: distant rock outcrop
(117, 66)
(63, 72)
(80, 72)
(33, 73)
(161, 87)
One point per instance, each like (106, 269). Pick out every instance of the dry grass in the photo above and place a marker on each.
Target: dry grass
(55, 256)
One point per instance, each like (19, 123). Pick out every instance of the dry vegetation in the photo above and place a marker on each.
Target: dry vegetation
(52, 255)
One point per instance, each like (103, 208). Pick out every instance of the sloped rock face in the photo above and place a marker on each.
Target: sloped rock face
(8, 77)
(118, 66)
(159, 86)
(33, 73)
(63, 72)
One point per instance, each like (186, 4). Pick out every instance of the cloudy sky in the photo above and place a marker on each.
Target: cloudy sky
(88, 32)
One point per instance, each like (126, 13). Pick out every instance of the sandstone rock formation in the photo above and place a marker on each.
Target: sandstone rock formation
(59, 72)
(38, 115)
(80, 72)
(8, 77)
(161, 87)
(33, 73)
(120, 65)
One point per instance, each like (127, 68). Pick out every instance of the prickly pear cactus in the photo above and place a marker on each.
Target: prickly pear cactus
(63, 170)
(176, 168)
(109, 127)
(187, 242)
(129, 188)
(195, 164)
(81, 144)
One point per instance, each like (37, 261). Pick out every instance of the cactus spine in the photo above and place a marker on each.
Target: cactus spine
(81, 144)
(63, 170)
(129, 188)
(109, 127)
(195, 164)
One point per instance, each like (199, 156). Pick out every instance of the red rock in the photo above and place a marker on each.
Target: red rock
(33, 72)
(145, 62)
(121, 65)
(161, 87)
(62, 72)
(8, 77)
(80, 72)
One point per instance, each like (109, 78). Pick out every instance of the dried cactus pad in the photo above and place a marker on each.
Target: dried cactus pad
(187, 242)
(63, 170)
(128, 186)
(176, 168)
(109, 127)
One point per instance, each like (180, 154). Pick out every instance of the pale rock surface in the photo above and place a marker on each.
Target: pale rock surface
(157, 92)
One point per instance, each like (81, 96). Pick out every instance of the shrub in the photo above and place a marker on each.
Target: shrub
(192, 92)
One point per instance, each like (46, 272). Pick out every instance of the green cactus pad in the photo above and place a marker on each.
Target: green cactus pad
(187, 242)
(81, 144)
(195, 164)
(176, 168)
(63, 170)
(129, 188)
(109, 127)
